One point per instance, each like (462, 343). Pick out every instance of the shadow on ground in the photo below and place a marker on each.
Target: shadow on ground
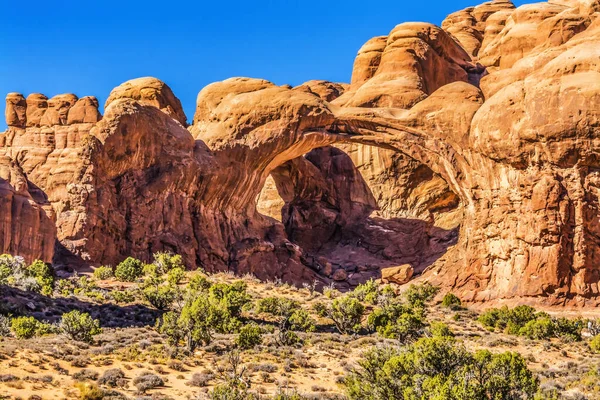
(19, 302)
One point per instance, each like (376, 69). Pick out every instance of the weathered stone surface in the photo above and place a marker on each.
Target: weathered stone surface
(407, 69)
(26, 225)
(15, 110)
(398, 275)
(150, 91)
(469, 154)
(328, 91)
(37, 105)
(58, 110)
(475, 27)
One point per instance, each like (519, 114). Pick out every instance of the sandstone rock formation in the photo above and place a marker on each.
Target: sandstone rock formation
(469, 152)
(398, 275)
(26, 218)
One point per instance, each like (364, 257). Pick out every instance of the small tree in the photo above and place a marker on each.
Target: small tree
(346, 313)
(419, 295)
(250, 336)
(406, 328)
(80, 326)
(204, 310)
(165, 262)
(291, 317)
(103, 273)
(175, 276)
(367, 292)
(28, 327)
(439, 368)
(44, 275)
(450, 300)
(157, 292)
(232, 296)
(196, 323)
(129, 270)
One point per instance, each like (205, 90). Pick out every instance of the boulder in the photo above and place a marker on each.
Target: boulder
(398, 275)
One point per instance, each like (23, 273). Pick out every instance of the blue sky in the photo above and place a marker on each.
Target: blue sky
(88, 48)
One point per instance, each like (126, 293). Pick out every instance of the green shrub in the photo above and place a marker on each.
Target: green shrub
(450, 300)
(129, 270)
(568, 329)
(44, 275)
(595, 344)
(367, 292)
(346, 313)
(159, 296)
(198, 283)
(419, 295)
(250, 336)
(175, 276)
(198, 320)
(166, 262)
(301, 321)
(525, 321)
(440, 329)
(233, 296)
(80, 326)
(511, 320)
(122, 296)
(542, 328)
(398, 320)
(28, 327)
(406, 328)
(439, 368)
(37, 277)
(291, 317)
(103, 273)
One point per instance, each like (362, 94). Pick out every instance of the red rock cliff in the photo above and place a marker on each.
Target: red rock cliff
(469, 151)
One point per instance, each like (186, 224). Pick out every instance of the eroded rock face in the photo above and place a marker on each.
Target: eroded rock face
(26, 225)
(468, 153)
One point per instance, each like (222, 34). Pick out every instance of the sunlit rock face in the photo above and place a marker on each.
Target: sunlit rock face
(466, 152)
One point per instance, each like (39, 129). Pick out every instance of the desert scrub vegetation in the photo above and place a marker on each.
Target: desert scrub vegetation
(104, 272)
(451, 301)
(28, 327)
(526, 321)
(250, 336)
(346, 312)
(80, 326)
(229, 337)
(290, 318)
(439, 368)
(37, 277)
(206, 309)
(129, 270)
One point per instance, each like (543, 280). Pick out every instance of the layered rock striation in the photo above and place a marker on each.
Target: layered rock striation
(468, 152)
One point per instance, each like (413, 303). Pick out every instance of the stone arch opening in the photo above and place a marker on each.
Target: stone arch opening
(269, 202)
(358, 208)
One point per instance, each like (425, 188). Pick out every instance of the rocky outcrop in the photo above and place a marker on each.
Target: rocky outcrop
(398, 275)
(403, 68)
(475, 27)
(26, 225)
(467, 152)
